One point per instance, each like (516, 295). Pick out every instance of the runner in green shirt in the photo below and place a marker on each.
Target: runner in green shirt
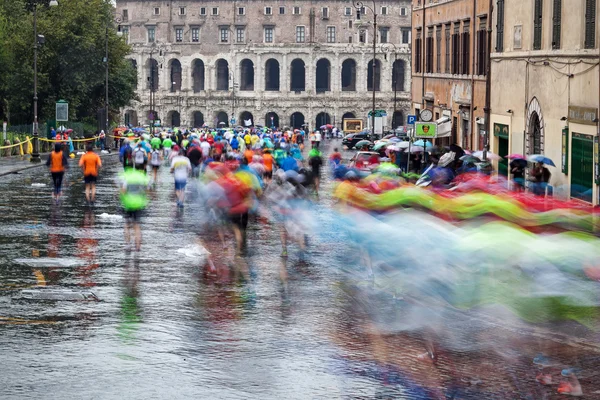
(134, 200)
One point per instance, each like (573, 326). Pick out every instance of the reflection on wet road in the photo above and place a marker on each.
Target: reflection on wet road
(81, 317)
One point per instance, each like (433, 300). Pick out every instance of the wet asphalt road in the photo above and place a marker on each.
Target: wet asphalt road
(262, 328)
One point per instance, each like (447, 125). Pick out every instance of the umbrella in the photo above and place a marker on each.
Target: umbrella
(403, 145)
(489, 155)
(467, 158)
(392, 148)
(540, 158)
(395, 139)
(380, 145)
(517, 156)
(415, 149)
(389, 136)
(421, 143)
(326, 126)
(518, 162)
(363, 143)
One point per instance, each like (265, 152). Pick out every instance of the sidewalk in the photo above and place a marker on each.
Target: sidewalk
(16, 164)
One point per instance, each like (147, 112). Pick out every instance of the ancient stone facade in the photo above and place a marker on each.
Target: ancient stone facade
(293, 61)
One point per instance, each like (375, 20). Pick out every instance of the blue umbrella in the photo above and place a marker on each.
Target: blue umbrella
(422, 143)
(540, 158)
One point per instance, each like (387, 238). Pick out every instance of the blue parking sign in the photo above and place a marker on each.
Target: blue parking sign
(411, 119)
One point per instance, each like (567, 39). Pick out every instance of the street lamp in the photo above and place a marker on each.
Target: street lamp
(117, 20)
(387, 47)
(359, 5)
(37, 40)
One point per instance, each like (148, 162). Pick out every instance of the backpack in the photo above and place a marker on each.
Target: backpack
(127, 159)
(139, 157)
(155, 158)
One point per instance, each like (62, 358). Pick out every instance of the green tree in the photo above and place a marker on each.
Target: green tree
(70, 63)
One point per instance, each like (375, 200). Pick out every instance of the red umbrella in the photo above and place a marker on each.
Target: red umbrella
(516, 156)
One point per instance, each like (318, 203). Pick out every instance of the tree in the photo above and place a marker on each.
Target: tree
(70, 63)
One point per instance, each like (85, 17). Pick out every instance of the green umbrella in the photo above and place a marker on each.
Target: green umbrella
(380, 145)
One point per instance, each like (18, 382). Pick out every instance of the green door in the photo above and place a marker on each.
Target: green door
(503, 152)
(582, 166)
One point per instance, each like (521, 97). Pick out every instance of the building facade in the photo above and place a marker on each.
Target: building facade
(545, 92)
(280, 63)
(449, 65)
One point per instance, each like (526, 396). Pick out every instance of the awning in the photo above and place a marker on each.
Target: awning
(444, 127)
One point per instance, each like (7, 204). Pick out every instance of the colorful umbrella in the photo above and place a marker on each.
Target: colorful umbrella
(489, 155)
(540, 158)
(421, 143)
(515, 156)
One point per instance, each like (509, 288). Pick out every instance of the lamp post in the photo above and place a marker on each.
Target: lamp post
(359, 5)
(153, 50)
(387, 47)
(35, 155)
(117, 20)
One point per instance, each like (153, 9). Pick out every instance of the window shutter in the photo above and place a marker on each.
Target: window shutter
(500, 27)
(537, 25)
(556, 24)
(590, 24)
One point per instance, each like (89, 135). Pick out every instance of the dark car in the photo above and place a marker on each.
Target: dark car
(353, 138)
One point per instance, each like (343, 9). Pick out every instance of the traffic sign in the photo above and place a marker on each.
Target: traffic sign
(411, 119)
(62, 111)
(426, 130)
(232, 121)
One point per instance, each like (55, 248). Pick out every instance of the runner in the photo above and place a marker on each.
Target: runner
(140, 157)
(268, 162)
(155, 162)
(181, 168)
(90, 163)
(134, 201)
(315, 162)
(167, 146)
(58, 163)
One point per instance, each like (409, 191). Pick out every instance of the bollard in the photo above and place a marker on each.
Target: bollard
(6, 152)
(18, 147)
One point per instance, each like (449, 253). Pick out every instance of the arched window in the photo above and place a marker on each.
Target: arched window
(198, 75)
(322, 119)
(297, 76)
(175, 76)
(131, 118)
(222, 74)
(272, 120)
(322, 80)
(398, 76)
(349, 75)
(246, 119)
(297, 120)
(175, 119)
(272, 75)
(198, 119)
(374, 76)
(535, 134)
(222, 119)
(152, 74)
(247, 75)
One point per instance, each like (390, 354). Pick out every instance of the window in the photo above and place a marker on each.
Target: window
(347, 11)
(383, 35)
(418, 53)
(384, 10)
(125, 15)
(438, 49)
(482, 47)
(403, 11)
(268, 11)
(241, 10)
(125, 31)
(466, 42)
(429, 51)
(500, 27)
(240, 34)
(350, 24)
(447, 43)
(151, 34)
(215, 11)
(350, 39)
(296, 11)
(224, 35)
(202, 10)
(331, 34)
(300, 34)
(179, 35)
(281, 10)
(269, 35)
(156, 10)
(590, 24)
(405, 36)
(456, 49)
(181, 10)
(537, 25)
(362, 36)
(325, 12)
(556, 19)
(195, 35)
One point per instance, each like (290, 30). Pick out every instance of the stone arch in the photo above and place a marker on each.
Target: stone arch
(222, 74)
(173, 118)
(374, 76)
(198, 75)
(348, 75)
(398, 69)
(221, 119)
(397, 119)
(323, 118)
(197, 119)
(175, 74)
(152, 69)
(246, 116)
(272, 122)
(272, 80)
(323, 76)
(534, 142)
(297, 75)
(152, 115)
(130, 117)
(246, 75)
(297, 120)
(348, 115)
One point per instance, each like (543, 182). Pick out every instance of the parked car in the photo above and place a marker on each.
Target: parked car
(365, 161)
(351, 139)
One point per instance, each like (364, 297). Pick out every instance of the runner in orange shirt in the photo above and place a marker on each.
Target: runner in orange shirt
(268, 161)
(90, 164)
